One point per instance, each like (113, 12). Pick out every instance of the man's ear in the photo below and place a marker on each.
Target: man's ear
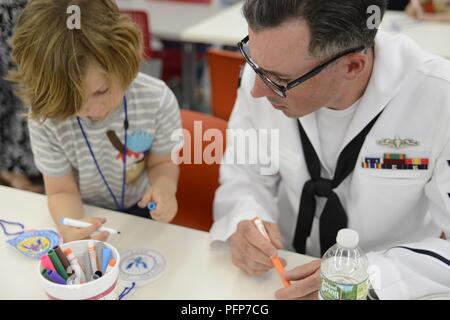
(353, 65)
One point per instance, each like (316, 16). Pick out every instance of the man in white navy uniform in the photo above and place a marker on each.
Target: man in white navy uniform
(364, 130)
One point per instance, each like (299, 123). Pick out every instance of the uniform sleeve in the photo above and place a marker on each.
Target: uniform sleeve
(245, 191)
(49, 156)
(168, 121)
(418, 270)
(411, 271)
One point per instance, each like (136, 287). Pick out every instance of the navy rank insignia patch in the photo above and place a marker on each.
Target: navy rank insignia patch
(396, 161)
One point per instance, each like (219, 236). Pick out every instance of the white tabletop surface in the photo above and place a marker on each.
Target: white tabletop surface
(228, 27)
(196, 270)
(168, 19)
(432, 36)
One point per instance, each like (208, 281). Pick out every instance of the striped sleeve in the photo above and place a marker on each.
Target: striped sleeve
(48, 154)
(168, 120)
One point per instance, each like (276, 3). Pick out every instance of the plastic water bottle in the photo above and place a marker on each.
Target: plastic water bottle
(344, 269)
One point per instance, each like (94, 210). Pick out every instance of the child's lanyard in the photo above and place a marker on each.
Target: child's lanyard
(125, 125)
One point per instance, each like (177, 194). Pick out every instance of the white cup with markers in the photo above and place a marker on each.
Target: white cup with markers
(80, 270)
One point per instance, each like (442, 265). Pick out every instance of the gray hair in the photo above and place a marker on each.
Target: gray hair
(335, 25)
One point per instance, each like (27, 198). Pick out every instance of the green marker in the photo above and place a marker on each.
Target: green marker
(45, 275)
(57, 263)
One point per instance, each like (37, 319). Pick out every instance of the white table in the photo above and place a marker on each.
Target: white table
(229, 27)
(432, 36)
(168, 20)
(196, 270)
(226, 27)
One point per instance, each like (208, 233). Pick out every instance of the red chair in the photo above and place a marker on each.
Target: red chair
(198, 182)
(171, 58)
(141, 19)
(224, 68)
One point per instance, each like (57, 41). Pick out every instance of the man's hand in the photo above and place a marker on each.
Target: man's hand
(250, 251)
(305, 282)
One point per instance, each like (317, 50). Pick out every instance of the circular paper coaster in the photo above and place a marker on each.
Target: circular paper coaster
(141, 266)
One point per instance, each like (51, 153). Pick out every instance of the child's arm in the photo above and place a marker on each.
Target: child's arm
(64, 200)
(163, 176)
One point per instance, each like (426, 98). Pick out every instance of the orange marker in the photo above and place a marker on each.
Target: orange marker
(111, 264)
(276, 259)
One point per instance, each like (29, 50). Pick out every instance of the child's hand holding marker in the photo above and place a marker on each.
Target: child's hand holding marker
(161, 202)
(85, 228)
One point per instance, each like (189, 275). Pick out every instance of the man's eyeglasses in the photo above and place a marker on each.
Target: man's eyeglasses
(282, 89)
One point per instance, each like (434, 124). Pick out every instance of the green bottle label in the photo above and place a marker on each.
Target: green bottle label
(330, 290)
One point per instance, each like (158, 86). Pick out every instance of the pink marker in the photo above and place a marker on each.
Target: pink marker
(47, 263)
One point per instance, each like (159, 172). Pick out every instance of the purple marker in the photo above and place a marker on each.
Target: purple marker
(151, 206)
(55, 277)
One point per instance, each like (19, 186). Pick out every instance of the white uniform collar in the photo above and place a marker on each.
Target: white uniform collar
(394, 56)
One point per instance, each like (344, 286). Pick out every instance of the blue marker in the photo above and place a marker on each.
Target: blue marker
(151, 206)
(106, 255)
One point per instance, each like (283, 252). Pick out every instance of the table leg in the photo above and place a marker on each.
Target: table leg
(189, 76)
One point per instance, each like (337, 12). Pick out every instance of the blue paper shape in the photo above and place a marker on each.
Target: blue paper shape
(35, 243)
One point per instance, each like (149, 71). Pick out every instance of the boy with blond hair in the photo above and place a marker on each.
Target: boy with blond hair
(100, 130)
